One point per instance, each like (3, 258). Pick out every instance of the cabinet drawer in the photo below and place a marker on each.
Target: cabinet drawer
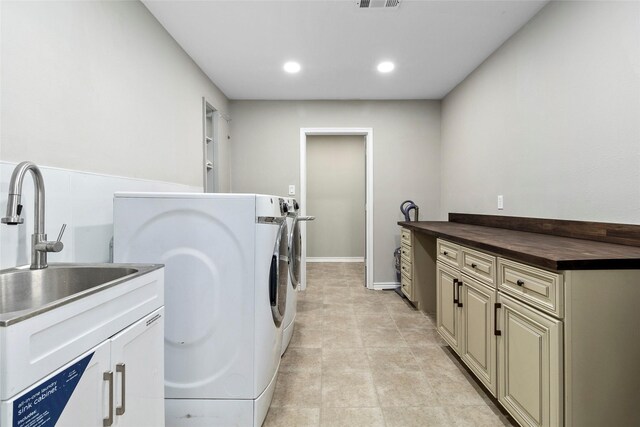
(405, 267)
(405, 237)
(479, 265)
(448, 252)
(405, 283)
(405, 251)
(540, 288)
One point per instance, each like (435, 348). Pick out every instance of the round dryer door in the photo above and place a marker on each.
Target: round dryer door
(278, 275)
(295, 253)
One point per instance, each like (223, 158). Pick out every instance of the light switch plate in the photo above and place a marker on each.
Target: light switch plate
(500, 202)
(292, 190)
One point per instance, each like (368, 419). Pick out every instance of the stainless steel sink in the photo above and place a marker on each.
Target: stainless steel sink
(25, 293)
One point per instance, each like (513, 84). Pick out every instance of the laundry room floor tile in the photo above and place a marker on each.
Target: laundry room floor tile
(409, 388)
(476, 416)
(297, 389)
(292, 417)
(341, 337)
(349, 417)
(360, 357)
(417, 417)
(300, 359)
(391, 359)
(306, 337)
(343, 360)
(383, 336)
(353, 389)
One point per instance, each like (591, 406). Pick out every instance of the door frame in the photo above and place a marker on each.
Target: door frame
(368, 253)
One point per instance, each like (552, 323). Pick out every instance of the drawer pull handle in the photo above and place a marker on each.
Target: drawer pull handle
(455, 287)
(121, 369)
(459, 296)
(108, 377)
(445, 253)
(473, 265)
(520, 282)
(495, 319)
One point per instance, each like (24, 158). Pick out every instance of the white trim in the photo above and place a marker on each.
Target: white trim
(368, 134)
(335, 259)
(386, 285)
(192, 188)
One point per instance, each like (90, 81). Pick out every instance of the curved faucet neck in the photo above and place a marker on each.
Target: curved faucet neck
(39, 244)
(15, 194)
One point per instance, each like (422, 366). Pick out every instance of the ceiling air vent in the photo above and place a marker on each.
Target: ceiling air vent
(375, 4)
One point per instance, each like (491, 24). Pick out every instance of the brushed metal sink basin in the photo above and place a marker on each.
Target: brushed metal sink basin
(25, 293)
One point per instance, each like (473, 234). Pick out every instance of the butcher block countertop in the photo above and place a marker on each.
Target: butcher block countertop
(553, 252)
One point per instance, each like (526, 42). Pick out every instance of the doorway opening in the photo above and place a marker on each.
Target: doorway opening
(335, 196)
(352, 199)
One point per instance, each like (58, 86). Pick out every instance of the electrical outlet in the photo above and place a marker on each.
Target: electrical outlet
(500, 202)
(292, 190)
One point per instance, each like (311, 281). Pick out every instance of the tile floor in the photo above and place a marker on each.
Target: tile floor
(368, 358)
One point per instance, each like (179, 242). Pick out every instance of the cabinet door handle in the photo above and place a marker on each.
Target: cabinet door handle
(108, 376)
(121, 369)
(520, 282)
(445, 253)
(455, 288)
(473, 265)
(459, 296)
(495, 319)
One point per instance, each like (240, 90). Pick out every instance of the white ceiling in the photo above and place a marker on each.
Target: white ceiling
(242, 45)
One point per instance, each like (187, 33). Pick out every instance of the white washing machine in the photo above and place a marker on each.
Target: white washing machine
(295, 266)
(226, 272)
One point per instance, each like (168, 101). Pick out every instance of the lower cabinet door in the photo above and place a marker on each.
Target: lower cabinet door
(447, 310)
(478, 348)
(75, 395)
(529, 364)
(137, 357)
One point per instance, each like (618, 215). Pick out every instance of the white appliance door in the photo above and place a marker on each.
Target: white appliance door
(278, 274)
(295, 253)
(301, 261)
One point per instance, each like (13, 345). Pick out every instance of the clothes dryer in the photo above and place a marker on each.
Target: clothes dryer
(226, 264)
(295, 266)
(294, 262)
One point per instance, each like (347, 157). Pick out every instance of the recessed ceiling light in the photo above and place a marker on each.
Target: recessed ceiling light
(292, 67)
(386, 67)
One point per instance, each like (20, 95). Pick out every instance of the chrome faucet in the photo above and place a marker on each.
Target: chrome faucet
(39, 244)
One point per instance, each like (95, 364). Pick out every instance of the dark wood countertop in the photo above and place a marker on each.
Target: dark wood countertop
(542, 250)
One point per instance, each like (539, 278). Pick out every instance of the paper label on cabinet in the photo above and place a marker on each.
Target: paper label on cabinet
(43, 404)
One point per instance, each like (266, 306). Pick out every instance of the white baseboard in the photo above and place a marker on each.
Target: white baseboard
(385, 285)
(335, 259)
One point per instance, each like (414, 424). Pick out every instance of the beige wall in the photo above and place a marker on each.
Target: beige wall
(100, 86)
(406, 152)
(551, 120)
(336, 196)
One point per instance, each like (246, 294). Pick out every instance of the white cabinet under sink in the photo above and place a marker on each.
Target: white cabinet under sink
(119, 382)
(137, 355)
(115, 376)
